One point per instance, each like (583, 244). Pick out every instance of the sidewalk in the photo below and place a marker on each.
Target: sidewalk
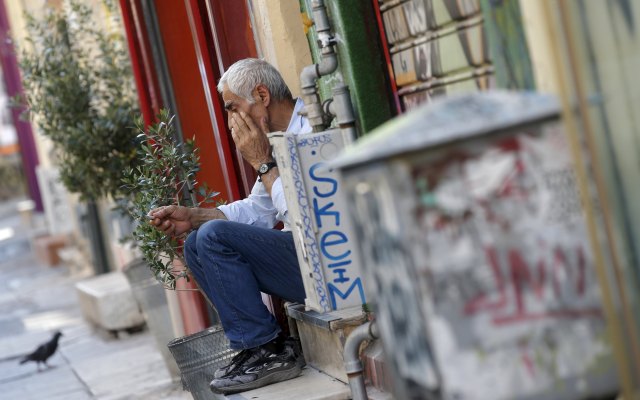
(36, 300)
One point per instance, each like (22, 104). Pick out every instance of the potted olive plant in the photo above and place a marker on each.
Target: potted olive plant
(78, 89)
(166, 175)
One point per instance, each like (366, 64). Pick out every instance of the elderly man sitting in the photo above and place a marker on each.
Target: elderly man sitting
(234, 253)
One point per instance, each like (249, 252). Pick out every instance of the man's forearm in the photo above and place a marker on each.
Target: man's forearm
(201, 215)
(269, 178)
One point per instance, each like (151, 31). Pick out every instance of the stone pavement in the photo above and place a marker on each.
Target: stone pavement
(35, 301)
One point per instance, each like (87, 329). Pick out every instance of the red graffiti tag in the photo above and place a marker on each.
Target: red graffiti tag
(509, 288)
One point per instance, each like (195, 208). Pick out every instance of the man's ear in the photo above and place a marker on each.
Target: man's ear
(264, 96)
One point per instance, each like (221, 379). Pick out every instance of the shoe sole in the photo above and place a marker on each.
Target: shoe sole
(276, 377)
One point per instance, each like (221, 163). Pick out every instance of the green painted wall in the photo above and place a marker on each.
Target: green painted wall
(507, 44)
(361, 61)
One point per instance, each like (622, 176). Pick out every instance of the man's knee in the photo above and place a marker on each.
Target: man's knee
(190, 242)
(212, 231)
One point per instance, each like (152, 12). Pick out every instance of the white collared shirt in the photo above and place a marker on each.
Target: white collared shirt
(259, 208)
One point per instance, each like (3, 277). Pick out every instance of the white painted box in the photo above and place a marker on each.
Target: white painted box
(322, 231)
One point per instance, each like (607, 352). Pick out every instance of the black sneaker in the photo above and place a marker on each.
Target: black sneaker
(243, 355)
(236, 361)
(295, 344)
(260, 366)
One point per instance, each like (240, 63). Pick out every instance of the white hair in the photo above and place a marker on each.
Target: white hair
(243, 76)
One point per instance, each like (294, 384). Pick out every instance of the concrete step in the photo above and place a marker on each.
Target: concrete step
(311, 385)
(323, 335)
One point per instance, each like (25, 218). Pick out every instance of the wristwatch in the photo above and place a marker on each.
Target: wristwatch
(264, 168)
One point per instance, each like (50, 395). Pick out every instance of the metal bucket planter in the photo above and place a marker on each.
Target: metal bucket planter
(198, 356)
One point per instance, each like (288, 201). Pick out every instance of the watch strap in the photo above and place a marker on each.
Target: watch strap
(269, 166)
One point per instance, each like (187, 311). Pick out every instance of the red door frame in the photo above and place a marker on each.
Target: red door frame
(209, 75)
(387, 56)
(223, 34)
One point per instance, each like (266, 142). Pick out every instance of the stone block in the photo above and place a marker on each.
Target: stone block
(46, 248)
(107, 301)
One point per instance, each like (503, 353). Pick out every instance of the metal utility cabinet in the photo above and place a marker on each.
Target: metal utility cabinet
(471, 236)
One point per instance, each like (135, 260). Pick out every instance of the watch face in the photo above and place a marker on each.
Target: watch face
(263, 168)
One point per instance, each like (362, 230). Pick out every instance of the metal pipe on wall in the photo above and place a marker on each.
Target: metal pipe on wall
(311, 73)
(352, 363)
(342, 108)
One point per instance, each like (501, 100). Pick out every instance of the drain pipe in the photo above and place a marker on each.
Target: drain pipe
(352, 363)
(311, 73)
(340, 106)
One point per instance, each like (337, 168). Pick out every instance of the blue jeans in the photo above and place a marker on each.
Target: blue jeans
(233, 263)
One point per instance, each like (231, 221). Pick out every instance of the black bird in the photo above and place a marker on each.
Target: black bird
(44, 351)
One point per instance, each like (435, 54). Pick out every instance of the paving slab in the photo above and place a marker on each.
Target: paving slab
(13, 346)
(59, 382)
(124, 373)
(35, 301)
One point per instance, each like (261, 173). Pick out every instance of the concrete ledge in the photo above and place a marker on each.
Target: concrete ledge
(352, 316)
(323, 335)
(107, 301)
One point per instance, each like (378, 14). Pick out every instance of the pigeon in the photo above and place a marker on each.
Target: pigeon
(44, 351)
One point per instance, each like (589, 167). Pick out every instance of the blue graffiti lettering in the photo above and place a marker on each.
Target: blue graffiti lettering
(339, 264)
(341, 278)
(333, 182)
(333, 291)
(333, 238)
(314, 141)
(310, 239)
(324, 211)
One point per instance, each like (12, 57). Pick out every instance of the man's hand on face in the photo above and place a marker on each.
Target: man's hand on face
(172, 220)
(251, 139)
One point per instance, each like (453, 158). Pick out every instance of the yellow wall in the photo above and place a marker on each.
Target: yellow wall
(538, 34)
(280, 38)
